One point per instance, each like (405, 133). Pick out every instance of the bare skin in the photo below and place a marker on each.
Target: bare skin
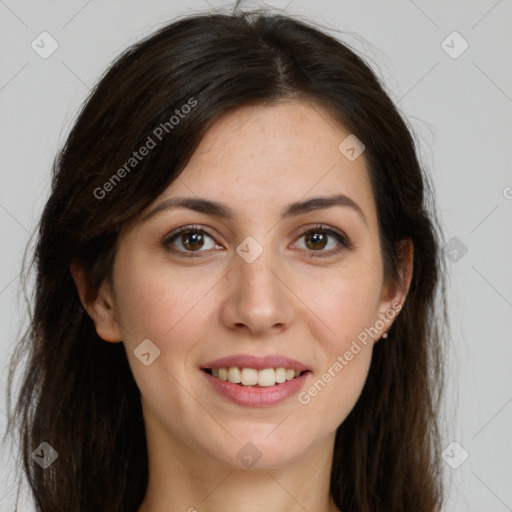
(299, 298)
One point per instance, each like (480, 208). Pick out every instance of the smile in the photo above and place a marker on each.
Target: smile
(252, 377)
(256, 395)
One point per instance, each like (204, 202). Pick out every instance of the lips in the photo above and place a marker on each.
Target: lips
(256, 396)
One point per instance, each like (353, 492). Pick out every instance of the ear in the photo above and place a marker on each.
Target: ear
(394, 294)
(99, 304)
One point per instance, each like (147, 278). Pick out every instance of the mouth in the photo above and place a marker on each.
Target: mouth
(256, 388)
(252, 377)
(256, 381)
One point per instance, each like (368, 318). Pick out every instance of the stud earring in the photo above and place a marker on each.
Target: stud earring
(385, 335)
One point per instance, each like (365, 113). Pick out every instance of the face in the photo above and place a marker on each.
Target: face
(299, 291)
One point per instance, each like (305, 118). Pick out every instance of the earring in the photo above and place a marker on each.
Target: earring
(385, 335)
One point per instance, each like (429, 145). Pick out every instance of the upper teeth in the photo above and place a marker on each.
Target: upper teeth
(251, 376)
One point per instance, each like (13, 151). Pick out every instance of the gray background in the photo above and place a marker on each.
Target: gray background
(460, 109)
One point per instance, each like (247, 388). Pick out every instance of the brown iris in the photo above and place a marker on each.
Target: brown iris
(196, 238)
(316, 238)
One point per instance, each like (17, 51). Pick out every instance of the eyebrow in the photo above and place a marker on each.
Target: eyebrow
(222, 211)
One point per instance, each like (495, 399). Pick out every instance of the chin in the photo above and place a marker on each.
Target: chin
(261, 451)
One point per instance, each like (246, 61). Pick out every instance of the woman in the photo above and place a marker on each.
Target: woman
(237, 219)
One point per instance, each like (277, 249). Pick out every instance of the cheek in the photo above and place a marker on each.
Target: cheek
(169, 308)
(161, 304)
(346, 356)
(347, 304)
(348, 308)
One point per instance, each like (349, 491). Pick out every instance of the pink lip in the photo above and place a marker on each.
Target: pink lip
(258, 363)
(255, 396)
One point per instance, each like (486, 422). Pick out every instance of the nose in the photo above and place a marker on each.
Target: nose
(259, 300)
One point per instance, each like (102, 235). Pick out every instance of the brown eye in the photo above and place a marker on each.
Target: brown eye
(318, 238)
(189, 239)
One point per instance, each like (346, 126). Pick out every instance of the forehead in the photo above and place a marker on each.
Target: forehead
(259, 158)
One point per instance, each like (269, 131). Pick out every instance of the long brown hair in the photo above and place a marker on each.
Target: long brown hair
(78, 393)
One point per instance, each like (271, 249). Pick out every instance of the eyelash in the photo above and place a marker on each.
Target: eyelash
(342, 239)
